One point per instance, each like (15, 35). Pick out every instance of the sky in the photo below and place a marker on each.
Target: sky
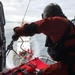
(14, 11)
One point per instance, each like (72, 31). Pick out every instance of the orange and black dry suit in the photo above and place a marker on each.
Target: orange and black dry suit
(61, 32)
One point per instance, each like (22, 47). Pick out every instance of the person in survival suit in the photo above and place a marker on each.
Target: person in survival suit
(60, 40)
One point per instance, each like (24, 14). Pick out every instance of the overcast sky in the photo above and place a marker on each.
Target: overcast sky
(15, 9)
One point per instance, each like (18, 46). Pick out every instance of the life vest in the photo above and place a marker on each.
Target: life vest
(58, 47)
(59, 52)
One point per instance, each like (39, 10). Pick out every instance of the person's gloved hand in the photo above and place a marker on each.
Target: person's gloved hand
(18, 31)
(15, 37)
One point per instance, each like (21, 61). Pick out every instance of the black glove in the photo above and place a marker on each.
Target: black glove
(15, 37)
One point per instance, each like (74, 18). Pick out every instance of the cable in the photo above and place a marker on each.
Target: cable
(24, 19)
(23, 23)
(25, 12)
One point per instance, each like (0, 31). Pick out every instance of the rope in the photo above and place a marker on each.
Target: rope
(23, 21)
(23, 24)
(25, 13)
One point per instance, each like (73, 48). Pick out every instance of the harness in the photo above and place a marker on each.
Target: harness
(59, 52)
